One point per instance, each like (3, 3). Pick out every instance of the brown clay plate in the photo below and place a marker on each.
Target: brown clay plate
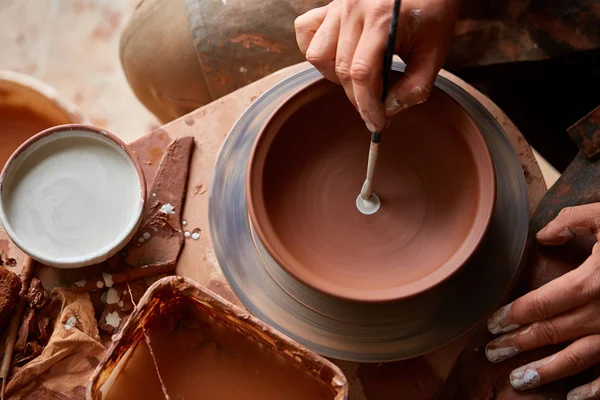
(361, 331)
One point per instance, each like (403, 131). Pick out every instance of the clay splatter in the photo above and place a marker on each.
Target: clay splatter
(247, 39)
(107, 279)
(167, 209)
(200, 189)
(71, 322)
(113, 319)
(112, 296)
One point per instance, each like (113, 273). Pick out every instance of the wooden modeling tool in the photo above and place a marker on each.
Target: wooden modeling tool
(368, 202)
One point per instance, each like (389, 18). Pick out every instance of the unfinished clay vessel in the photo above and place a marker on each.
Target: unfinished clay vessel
(435, 179)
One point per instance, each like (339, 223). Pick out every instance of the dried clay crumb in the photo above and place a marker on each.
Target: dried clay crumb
(112, 296)
(113, 319)
(107, 279)
(167, 209)
(71, 322)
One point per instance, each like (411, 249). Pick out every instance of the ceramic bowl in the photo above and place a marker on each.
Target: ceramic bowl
(71, 196)
(435, 178)
(28, 106)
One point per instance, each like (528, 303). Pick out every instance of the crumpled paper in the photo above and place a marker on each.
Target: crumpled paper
(66, 363)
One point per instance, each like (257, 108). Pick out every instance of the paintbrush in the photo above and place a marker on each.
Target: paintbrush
(368, 202)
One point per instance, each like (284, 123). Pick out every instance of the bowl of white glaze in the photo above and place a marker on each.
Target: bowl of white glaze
(72, 196)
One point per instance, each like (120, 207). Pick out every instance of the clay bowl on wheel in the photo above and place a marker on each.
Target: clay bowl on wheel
(434, 176)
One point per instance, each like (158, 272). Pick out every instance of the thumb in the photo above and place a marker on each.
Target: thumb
(571, 221)
(415, 85)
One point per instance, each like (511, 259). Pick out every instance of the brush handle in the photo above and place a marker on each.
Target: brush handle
(389, 51)
(367, 189)
(387, 60)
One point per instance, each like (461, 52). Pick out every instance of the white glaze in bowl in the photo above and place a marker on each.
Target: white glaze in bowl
(71, 196)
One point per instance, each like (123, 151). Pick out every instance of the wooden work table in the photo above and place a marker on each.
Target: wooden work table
(419, 378)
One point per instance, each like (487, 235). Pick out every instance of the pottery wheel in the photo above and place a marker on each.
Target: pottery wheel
(360, 331)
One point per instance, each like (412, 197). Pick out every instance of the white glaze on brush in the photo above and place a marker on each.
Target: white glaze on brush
(71, 195)
(369, 206)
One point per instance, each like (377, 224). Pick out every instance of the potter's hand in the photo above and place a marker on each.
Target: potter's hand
(564, 310)
(346, 40)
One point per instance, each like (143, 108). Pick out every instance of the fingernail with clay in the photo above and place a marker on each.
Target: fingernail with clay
(579, 230)
(585, 392)
(499, 321)
(499, 354)
(414, 96)
(566, 234)
(527, 376)
(524, 378)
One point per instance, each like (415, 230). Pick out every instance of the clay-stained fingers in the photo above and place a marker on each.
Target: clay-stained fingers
(588, 391)
(351, 28)
(571, 221)
(570, 291)
(574, 359)
(564, 327)
(322, 49)
(307, 24)
(415, 85)
(366, 71)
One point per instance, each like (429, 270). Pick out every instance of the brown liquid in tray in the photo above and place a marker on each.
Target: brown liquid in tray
(201, 358)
